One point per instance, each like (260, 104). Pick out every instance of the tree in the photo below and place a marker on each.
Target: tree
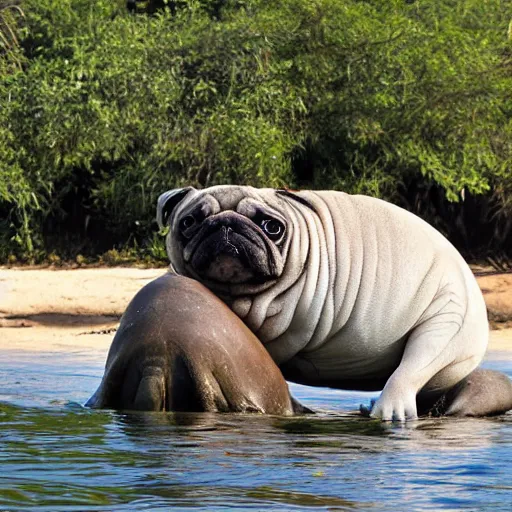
(408, 102)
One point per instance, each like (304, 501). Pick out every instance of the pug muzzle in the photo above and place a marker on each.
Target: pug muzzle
(228, 247)
(222, 248)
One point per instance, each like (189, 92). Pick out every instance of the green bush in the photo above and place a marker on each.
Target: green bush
(101, 110)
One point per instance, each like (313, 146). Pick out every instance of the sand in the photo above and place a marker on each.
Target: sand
(46, 309)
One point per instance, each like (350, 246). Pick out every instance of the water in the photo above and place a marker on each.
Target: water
(55, 455)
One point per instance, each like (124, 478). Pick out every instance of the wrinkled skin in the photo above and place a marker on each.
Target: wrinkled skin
(179, 348)
(344, 291)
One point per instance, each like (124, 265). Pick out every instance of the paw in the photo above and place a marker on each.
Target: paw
(394, 405)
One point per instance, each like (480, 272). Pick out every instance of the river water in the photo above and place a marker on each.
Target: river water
(56, 455)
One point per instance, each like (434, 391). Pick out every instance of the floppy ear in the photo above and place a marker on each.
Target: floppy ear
(167, 202)
(283, 192)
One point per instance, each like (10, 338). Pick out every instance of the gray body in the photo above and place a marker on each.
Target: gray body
(356, 293)
(481, 393)
(179, 348)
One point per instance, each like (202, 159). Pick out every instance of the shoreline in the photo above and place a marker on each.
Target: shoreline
(84, 305)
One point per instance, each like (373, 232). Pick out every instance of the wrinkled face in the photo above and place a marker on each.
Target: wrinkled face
(225, 236)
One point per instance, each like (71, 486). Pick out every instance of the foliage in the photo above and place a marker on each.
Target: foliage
(105, 109)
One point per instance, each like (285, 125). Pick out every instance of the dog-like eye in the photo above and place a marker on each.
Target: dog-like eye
(187, 222)
(272, 228)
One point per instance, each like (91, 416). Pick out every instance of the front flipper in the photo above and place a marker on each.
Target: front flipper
(138, 385)
(150, 394)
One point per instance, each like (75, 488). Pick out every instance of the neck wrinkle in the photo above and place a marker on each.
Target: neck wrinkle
(349, 256)
(292, 272)
(308, 307)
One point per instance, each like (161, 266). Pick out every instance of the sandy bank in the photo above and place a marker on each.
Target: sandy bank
(43, 307)
(97, 292)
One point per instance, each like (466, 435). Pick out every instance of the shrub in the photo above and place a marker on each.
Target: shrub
(102, 110)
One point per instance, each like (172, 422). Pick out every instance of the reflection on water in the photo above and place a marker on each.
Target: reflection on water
(56, 455)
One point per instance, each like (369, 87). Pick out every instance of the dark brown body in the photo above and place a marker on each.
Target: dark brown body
(179, 348)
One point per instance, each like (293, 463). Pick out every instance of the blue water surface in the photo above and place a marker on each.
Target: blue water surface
(55, 455)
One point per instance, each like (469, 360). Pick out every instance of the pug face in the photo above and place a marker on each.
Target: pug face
(226, 236)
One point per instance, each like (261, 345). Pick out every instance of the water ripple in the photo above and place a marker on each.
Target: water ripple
(55, 455)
